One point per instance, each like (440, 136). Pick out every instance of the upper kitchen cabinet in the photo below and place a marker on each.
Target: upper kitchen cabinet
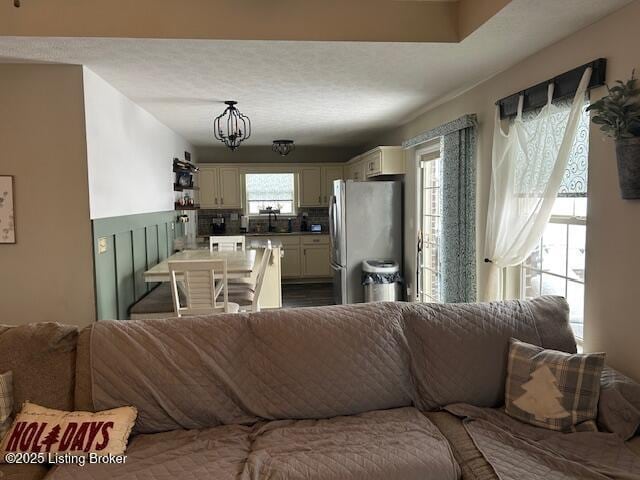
(229, 187)
(357, 170)
(219, 187)
(329, 174)
(315, 185)
(310, 187)
(383, 161)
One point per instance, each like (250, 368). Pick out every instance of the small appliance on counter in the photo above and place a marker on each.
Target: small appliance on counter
(244, 224)
(315, 228)
(304, 225)
(218, 226)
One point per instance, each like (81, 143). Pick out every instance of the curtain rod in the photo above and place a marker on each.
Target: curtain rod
(566, 85)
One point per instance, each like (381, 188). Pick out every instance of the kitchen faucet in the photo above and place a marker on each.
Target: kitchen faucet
(272, 228)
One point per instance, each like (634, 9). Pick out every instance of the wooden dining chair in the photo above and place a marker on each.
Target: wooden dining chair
(247, 296)
(202, 282)
(227, 243)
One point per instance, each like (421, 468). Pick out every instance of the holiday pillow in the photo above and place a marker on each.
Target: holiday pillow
(6, 401)
(552, 389)
(46, 431)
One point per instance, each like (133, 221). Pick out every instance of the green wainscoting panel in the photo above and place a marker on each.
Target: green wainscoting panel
(139, 262)
(105, 263)
(124, 248)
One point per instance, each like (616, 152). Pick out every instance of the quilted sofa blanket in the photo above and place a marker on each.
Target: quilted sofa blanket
(518, 451)
(318, 393)
(394, 444)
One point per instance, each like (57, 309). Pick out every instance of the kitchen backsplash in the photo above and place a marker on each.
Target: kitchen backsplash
(260, 224)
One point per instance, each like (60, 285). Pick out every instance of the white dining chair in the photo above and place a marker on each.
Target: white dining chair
(247, 296)
(227, 243)
(202, 282)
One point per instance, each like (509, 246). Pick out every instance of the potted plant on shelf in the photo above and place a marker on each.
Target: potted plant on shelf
(618, 115)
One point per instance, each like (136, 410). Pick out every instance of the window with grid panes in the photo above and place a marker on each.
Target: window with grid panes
(557, 265)
(431, 228)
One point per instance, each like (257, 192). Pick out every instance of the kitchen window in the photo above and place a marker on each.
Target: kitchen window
(431, 205)
(557, 265)
(274, 190)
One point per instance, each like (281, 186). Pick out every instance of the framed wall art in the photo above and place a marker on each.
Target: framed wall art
(7, 220)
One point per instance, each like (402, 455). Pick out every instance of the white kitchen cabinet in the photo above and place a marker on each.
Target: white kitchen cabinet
(290, 262)
(316, 184)
(329, 175)
(358, 171)
(304, 256)
(310, 187)
(219, 187)
(384, 161)
(315, 261)
(208, 184)
(229, 187)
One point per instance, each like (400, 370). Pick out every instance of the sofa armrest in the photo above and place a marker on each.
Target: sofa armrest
(619, 404)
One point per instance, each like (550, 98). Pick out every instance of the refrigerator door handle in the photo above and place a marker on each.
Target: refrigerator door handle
(332, 201)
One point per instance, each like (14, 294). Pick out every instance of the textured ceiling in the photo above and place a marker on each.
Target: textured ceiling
(318, 93)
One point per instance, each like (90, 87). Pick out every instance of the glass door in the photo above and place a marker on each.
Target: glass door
(431, 227)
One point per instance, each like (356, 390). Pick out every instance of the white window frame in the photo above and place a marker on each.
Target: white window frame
(522, 269)
(257, 170)
(431, 153)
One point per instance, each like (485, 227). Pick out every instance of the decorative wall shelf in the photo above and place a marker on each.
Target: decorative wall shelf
(186, 207)
(180, 188)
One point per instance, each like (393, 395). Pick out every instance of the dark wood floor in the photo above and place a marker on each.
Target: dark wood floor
(307, 295)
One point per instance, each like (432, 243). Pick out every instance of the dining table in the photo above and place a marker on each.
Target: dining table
(239, 263)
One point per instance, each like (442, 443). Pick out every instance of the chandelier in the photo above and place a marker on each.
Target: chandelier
(237, 127)
(283, 147)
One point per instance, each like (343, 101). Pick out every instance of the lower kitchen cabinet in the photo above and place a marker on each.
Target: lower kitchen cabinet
(315, 261)
(304, 256)
(290, 263)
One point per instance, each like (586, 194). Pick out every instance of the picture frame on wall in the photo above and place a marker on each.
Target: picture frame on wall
(7, 218)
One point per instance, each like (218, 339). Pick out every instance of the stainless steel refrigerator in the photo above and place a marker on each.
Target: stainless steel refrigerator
(365, 223)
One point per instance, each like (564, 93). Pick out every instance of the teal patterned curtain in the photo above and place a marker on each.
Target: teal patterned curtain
(458, 261)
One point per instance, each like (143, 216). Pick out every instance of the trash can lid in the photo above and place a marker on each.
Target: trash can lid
(380, 266)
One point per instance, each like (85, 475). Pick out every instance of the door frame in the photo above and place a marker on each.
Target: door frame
(428, 150)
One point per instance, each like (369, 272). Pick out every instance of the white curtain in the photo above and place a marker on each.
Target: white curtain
(528, 165)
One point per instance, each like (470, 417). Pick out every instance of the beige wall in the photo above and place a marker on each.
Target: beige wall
(48, 274)
(612, 321)
(384, 20)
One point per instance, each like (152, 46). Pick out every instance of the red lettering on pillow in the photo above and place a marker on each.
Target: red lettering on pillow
(67, 436)
(94, 428)
(16, 433)
(105, 436)
(78, 439)
(27, 436)
(37, 446)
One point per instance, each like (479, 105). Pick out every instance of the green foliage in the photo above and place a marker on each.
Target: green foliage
(618, 114)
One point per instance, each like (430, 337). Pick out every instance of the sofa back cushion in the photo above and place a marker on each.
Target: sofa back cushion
(227, 369)
(42, 357)
(459, 351)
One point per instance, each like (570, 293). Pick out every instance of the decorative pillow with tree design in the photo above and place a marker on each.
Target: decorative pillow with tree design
(552, 389)
(48, 432)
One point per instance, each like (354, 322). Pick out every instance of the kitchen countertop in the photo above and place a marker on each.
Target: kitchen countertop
(267, 234)
(251, 243)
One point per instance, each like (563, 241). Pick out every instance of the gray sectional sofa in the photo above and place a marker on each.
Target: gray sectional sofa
(329, 393)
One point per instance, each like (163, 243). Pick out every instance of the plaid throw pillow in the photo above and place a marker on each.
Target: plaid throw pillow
(552, 389)
(6, 402)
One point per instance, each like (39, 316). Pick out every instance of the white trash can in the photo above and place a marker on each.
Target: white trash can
(381, 280)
